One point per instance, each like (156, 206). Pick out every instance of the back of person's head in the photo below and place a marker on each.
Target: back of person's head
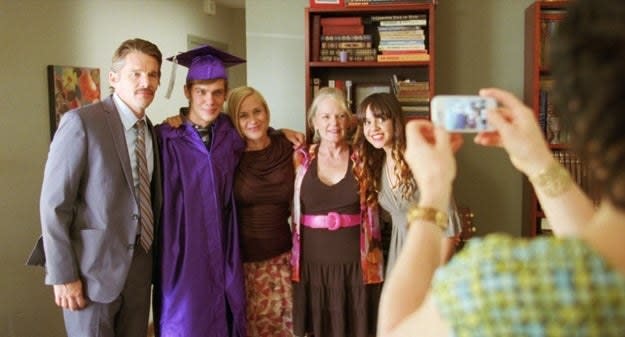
(589, 69)
(135, 45)
(236, 98)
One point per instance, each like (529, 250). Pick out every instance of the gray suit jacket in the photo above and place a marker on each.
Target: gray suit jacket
(89, 213)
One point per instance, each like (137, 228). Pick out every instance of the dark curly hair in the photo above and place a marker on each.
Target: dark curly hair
(588, 57)
(385, 106)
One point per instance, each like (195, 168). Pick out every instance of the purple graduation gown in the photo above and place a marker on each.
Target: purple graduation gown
(199, 287)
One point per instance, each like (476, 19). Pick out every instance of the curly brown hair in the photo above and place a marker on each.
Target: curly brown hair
(589, 72)
(385, 106)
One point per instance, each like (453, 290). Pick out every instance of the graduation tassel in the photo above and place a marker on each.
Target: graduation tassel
(172, 78)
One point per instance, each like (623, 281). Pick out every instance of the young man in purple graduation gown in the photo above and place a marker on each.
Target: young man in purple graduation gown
(199, 288)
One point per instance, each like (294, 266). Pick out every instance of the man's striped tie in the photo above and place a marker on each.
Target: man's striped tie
(145, 205)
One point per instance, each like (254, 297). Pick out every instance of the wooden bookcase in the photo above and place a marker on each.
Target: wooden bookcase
(367, 76)
(541, 18)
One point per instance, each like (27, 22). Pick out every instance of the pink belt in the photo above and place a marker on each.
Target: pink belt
(332, 221)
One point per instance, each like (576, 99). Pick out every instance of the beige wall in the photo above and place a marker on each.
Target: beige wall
(275, 52)
(36, 33)
(479, 43)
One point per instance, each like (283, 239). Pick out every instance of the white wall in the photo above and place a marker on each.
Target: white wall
(36, 33)
(275, 54)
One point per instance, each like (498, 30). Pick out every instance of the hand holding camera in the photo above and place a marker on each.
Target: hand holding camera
(499, 119)
(465, 114)
(517, 131)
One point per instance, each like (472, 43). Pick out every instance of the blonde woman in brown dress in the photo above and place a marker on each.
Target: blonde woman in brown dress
(263, 190)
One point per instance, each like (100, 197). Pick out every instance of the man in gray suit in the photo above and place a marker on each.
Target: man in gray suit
(97, 237)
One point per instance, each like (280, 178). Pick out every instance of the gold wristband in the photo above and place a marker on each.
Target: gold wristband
(552, 181)
(439, 218)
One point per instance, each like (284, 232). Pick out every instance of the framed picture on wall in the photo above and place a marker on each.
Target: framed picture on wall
(70, 87)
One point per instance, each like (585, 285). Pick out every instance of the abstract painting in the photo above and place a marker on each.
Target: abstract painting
(69, 88)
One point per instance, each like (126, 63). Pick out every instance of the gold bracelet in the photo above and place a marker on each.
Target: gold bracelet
(439, 218)
(553, 181)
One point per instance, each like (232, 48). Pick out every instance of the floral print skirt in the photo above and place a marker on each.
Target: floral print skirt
(269, 297)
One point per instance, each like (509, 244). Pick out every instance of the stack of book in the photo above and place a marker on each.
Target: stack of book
(414, 96)
(345, 34)
(401, 37)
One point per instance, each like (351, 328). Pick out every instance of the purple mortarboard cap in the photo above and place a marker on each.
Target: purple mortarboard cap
(206, 63)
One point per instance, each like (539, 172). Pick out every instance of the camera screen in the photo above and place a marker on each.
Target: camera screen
(461, 113)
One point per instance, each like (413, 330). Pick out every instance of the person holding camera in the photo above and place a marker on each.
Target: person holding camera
(572, 284)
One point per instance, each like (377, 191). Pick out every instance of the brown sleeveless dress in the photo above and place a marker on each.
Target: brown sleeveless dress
(331, 300)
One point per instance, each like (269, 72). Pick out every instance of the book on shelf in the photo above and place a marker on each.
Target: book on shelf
(356, 3)
(347, 44)
(378, 18)
(545, 104)
(579, 172)
(342, 21)
(419, 44)
(548, 117)
(405, 46)
(413, 96)
(342, 38)
(401, 35)
(315, 38)
(350, 52)
(343, 30)
(336, 83)
(403, 92)
(415, 57)
(399, 28)
(409, 22)
(344, 25)
(350, 58)
(405, 51)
